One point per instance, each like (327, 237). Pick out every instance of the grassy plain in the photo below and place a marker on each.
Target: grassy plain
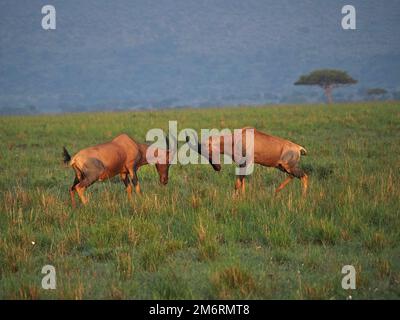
(192, 239)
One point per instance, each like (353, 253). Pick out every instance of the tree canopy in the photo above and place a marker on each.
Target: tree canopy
(327, 79)
(376, 91)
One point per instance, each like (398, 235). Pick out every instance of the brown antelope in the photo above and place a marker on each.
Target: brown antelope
(121, 156)
(269, 151)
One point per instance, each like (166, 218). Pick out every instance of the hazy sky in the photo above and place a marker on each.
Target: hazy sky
(189, 51)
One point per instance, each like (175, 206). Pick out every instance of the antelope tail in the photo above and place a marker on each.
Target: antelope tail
(67, 157)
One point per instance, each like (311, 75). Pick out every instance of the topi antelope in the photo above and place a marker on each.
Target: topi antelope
(269, 151)
(121, 156)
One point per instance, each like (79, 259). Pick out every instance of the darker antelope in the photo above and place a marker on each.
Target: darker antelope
(121, 156)
(269, 151)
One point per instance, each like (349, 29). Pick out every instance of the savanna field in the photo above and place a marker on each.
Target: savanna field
(192, 239)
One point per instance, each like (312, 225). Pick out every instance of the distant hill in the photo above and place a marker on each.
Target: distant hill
(108, 55)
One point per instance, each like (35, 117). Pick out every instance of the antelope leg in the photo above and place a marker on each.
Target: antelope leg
(135, 181)
(127, 183)
(72, 192)
(284, 183)
(81, 193)
(137, 188)
(239, 184)
(81, 187)
(304, 182)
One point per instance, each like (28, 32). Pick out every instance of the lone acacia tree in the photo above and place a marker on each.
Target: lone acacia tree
(376, 92)
(328, 79)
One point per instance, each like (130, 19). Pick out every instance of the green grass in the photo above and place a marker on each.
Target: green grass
(192, 239)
